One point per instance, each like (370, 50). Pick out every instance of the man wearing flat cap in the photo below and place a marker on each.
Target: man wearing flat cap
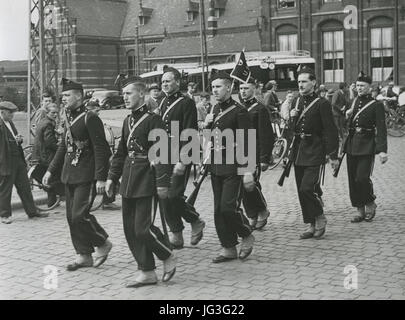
(228, 179)
(142, 179)
(315, 139)
(367, 137)
(13, 169)
(178, 110)
(155, 97)
(83, 157)
(253, 200)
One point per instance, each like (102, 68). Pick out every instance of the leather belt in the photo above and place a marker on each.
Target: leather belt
(303, 135)
(134, 155)
(361, 130)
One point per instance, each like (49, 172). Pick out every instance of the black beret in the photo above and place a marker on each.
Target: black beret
(176, 72)
(71, 85)
(306, 69)
(130, 80)
(364, 78)
(7, 105)
(219, 74)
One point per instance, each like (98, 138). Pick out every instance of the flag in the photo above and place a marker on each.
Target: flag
(241, 71)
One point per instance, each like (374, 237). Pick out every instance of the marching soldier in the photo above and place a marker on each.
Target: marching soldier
(83, 157)
(13, 169)
(138, 186)
(230, 223)
(254, 201)
(316, 137)
(178, 110)
(367, 137)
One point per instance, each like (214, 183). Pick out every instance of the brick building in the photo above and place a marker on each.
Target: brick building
(117, 36)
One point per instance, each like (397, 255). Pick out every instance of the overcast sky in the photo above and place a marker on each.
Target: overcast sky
(14, 29)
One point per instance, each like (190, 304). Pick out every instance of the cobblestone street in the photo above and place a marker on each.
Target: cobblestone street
(281, 266)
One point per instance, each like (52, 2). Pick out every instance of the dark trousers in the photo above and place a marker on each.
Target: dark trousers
(359, 169)
(309, 191)
(254, 201)
(85, 231)
(142, 236)
(175, 207)
(228, 217)
(18, 178)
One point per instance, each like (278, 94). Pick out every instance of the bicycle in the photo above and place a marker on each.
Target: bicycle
(395, 122)
(280, 145)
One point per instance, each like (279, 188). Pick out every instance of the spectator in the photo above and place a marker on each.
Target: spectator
(271, 101)
(203, 108)
(13, 169)
(191, 89)
(42, 112)
(155, 97)
(45, 146)
(392, 97)
(401, 98)
(260, 91)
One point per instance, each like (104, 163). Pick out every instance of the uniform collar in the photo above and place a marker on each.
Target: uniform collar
(250, 102)
(76, 112)
(174, 96)
(226, 104)
(366, 97)
(139, 112)
(311, 97)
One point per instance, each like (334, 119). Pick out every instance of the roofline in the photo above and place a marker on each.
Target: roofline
(189, 56)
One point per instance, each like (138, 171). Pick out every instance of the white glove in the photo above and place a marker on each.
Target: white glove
(383, 157)
(248, 182)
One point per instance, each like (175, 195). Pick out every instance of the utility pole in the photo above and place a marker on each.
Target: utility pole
(43, 53)
(204, 50)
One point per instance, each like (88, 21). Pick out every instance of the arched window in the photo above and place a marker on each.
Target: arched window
(381, 48)
(131, 62)
(287, 38)
(333, 51)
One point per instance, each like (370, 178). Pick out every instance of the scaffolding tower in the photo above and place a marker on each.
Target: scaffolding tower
(51, 33)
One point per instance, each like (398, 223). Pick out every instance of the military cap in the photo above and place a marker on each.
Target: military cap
(252, 81)
(154, 86)
(306, 69)
(176, 72)
(7, 105)
(191, 84)
(71, 85)
(364, 78)
(219, 74)
(131, 80)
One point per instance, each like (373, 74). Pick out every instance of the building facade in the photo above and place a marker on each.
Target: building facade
(110, 37)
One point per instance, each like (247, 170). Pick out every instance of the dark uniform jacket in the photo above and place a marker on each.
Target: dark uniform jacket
(131, 161)
(367, 132)
(5, 153)
(45, 143)
(315, 133)
(238, 118)
(264, 131)
(184, 112)
(94, 161)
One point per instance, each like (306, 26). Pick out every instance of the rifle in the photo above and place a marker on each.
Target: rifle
(198, 182)
(336, 171)
(287, 169)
